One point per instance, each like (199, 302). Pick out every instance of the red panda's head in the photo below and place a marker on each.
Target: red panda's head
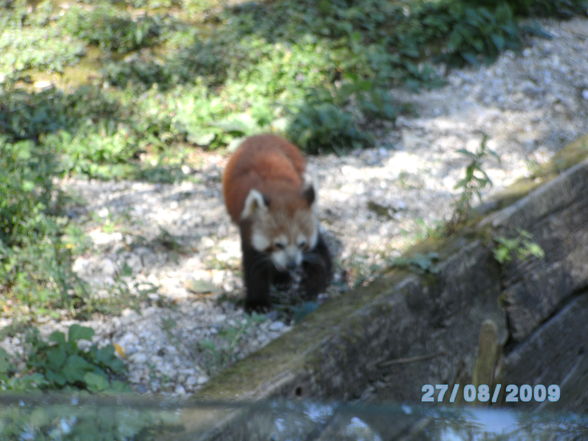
(283, 224)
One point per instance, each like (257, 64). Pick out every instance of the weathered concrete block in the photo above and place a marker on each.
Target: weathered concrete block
(557, 217)
(556, 353)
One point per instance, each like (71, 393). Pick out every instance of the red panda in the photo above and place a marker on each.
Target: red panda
(270, 197)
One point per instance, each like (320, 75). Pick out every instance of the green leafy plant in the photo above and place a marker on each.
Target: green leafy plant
(60, 363)
(103, 151)
(519, 247)
(480, 33)
(471, 185)
(36, 48)
(35, 263)
(324, 127)
(25, 115)
(111, 28)
(140, 74)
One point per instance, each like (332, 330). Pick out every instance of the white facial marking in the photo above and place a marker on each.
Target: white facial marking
(259, 241)
(280, 260)
(293, 252)
(284, 258)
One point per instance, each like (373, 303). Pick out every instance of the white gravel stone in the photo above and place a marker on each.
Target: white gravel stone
(277, 327)
(138, 358)
(202, 379)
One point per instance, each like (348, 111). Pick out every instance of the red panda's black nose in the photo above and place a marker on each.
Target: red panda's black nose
(291, 266)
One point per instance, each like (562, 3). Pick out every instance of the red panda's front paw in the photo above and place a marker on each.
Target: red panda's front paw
(257, 306)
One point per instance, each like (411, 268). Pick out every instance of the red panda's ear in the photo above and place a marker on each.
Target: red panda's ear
(254, 203)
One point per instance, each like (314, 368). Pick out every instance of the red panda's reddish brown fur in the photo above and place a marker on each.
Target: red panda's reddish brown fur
(267, 163)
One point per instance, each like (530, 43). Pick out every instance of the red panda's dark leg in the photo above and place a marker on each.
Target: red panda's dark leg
(257, 277)
(281, 279)
(318, 269)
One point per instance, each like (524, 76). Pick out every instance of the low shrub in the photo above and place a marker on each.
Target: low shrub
(112, 29)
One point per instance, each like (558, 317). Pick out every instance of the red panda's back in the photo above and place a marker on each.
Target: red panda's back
(268, 163)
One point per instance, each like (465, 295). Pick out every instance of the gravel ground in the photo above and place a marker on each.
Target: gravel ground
(183, 253)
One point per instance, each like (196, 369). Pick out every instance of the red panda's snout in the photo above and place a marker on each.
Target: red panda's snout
(287, 259)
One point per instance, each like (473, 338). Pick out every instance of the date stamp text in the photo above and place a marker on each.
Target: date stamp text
(469, 393)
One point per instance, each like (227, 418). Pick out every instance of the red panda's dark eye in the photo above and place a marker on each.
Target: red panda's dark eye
(279, 245)
(302, 244)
